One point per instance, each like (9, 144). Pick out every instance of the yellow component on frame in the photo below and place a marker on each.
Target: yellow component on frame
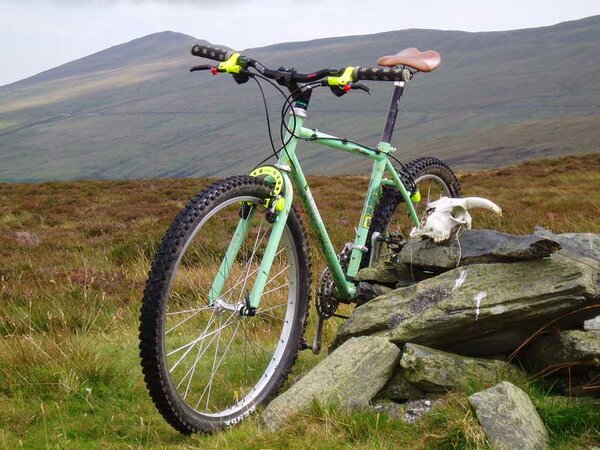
(231, 65)
(280, 204)
(416, 197)
(346, 78)
(274, 175)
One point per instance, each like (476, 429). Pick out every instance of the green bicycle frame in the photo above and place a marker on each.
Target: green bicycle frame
(290, 168)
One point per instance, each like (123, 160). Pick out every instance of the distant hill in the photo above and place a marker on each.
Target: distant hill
(134, 110)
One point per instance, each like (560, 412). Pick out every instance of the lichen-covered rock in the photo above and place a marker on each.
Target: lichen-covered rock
(482, 309)
(351, 376)
(385, 272)
(592, 324)
(476, 247)
(426, 372)
(414, 409)
(436, 371)
(570, 346)
(509, 418)
(581, 247)
(368, 291)
(398, 388)
(408, 412)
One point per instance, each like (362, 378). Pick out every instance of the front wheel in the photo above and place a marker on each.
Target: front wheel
(434, 179)
(206, 365)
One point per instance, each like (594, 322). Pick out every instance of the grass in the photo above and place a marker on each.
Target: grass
(73, 261)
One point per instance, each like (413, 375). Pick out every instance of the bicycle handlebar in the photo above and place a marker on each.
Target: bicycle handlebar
(358, 73)
(205, 51)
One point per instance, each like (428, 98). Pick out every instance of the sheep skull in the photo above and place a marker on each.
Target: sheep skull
(445, 215)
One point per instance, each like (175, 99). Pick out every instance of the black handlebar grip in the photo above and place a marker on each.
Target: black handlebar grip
(210, 52)
(382, 74)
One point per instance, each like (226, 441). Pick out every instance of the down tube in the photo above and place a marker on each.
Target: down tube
(345, 289)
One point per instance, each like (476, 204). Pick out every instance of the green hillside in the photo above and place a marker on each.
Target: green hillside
(134, 110)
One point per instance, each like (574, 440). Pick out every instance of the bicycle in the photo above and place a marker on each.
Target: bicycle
(226, 301)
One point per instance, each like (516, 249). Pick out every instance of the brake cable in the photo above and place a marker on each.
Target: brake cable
(288, 105)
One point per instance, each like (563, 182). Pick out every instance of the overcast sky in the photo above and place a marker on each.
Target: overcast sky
(39, 34)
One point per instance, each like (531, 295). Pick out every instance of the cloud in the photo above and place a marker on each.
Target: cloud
(199, 3)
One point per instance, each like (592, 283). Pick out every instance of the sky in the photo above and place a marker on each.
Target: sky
(36, 35)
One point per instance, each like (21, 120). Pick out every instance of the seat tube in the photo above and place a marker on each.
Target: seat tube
(392, 112)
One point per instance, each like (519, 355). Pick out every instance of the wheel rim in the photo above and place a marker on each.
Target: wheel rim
(219, 362)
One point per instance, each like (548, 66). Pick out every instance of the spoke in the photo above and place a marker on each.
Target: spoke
(278, 273)
(270, 308)
(201, 337)
(256, 244)
(255, 346)
(275, 289)
(201, 351)
(189, 310)
(214, 371)
(240, 281)
(191, 344)
(212, 375)
(186, 319)
(191, 284)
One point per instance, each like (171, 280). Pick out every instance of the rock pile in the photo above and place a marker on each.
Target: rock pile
(436, 318)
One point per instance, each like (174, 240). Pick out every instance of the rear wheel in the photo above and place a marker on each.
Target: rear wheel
(208, 366)
(433, 178)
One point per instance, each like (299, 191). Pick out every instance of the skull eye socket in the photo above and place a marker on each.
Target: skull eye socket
(457, 210)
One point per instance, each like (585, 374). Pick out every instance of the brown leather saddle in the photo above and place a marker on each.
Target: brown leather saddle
(425, 61)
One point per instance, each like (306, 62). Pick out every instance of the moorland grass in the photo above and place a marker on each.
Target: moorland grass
(74, 256)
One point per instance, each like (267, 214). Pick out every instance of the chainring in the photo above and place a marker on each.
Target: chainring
(326, 301)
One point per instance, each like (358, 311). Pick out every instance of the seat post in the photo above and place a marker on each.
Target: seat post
(392, 112)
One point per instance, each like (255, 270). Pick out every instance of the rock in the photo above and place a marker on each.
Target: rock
(592, 324)
(436, 371)
(481, 309)
(424, 372)
(351, 376)
(408, 412)
(509, 419)
(476, 247)
(384, 272)
(368, 291)
(581, 247)
(398, 388)
(560, 348)
(391, 409)
(416, 408)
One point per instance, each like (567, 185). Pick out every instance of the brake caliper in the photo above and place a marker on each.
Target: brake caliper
(276, 202)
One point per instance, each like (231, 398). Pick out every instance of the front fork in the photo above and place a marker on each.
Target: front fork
(278, 210)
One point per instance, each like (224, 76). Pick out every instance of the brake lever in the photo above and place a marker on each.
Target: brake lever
(201, 67)
(361, 87)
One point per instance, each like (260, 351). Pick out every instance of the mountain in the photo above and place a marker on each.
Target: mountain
(135, 111)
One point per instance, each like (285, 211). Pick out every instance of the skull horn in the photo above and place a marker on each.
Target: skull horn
(478, 202)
